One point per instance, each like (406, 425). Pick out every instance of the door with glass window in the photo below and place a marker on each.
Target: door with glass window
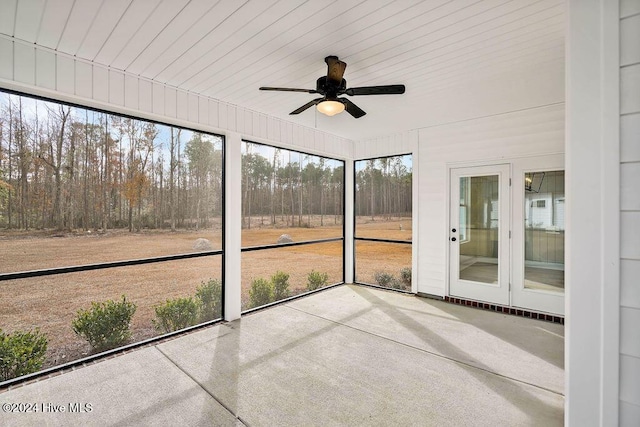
(479, 230)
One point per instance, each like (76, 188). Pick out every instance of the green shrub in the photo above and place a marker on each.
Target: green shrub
(385, 279)
(21, 353)
(106, 324)
(405, 276)
(280, 283)
(261, 293)
(209, 297)
(175, 314)
(316, 280)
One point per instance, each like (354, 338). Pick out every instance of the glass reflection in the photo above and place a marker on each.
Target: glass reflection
(544, 230)
(479, 228)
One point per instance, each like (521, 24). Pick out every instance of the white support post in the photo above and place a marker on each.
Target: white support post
(592, 218)
(349, 188)
(233, 226)
(415, 180)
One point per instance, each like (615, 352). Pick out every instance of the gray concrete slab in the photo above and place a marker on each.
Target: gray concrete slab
(285, 367)
(524, 349)
(139, 388)
(346, 356)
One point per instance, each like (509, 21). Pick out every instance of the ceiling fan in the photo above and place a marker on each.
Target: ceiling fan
(333, 85)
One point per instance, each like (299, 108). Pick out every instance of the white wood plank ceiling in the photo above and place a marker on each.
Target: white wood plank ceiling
(226, 49)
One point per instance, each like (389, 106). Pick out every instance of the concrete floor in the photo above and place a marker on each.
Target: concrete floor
(350, 355)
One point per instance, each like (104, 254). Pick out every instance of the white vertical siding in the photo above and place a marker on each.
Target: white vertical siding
(116, 87)
(6, 53)
(629, 212)
(145, 96)
(65, 75)
(182, 106)
(43, 71)
(84, 79)
(131, 92)
(24, 62)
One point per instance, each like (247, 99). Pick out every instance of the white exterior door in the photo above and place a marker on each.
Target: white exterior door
(479, 233)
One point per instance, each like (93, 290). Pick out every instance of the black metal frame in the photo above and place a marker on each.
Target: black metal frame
(373, 239)
(284, 245)
(123, 263)
(104, 265)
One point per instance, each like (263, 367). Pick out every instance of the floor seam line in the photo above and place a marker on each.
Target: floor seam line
(236, 416)
(428, 352)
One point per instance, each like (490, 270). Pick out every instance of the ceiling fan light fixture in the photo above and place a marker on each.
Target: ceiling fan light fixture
(330, 107)
(331, 86)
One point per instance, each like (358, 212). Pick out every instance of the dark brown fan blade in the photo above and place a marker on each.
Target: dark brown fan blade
(307, 105)
(352, 108)
(335, 69)
(288, 89)
(376, 90)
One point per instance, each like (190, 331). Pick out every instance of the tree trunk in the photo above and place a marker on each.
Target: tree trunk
(9, 149)
(107, 176)
(58, 205)
(85, 190)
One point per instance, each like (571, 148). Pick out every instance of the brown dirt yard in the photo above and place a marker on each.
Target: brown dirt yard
(51, 302)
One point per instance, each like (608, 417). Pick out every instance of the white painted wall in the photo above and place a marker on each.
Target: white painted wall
(630, 212)
(496, 138)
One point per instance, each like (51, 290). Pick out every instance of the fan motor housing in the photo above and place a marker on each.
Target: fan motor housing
(325, 87)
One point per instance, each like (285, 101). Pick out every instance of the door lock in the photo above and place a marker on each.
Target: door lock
(453, 230)
(453, 239)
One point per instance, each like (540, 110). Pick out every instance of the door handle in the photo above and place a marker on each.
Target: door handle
(453, 239)
(453, 230)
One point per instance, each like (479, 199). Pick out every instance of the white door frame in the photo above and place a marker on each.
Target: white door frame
(497, 293)
(538, 300)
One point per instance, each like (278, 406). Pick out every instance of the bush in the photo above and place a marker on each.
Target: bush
(280, 283)
(175, 314)
(261, 293)
(385, 279)
(405, 276)
(106, 324)
(21, 353)
(209, 297)
(316, 280)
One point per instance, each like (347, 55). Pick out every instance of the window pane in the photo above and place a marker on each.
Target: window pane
(308, 267)
(544, 230)
(79, 186)
(51, 302)
(479, 229)
(383, 198)
(384, 264)
(289, 194)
